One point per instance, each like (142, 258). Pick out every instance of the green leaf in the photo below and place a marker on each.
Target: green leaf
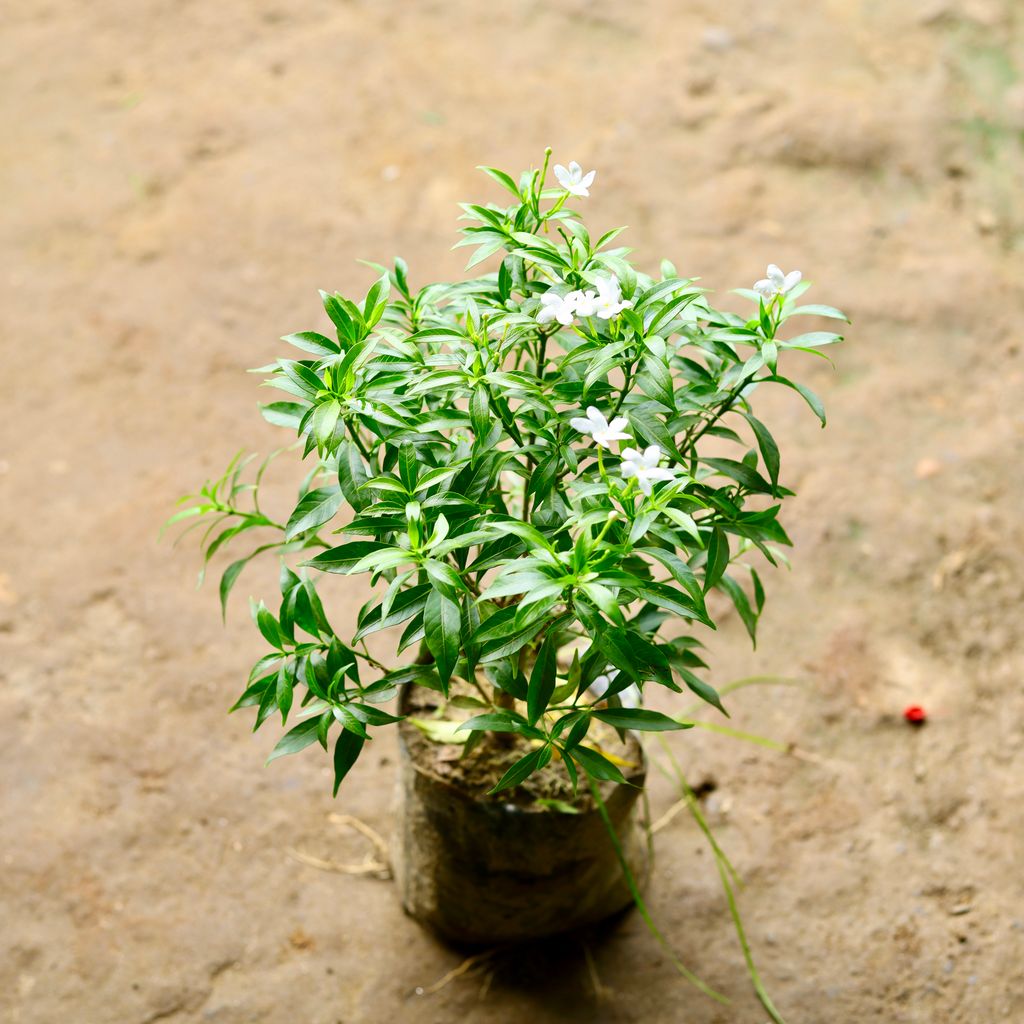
(681, 572)
(504, 637)
(480, 411)
(670, 599)
(268, 626)
(342, 559)
(352, 475)
(718, 558)
(408, 468)
(524, 767)
(741, 473)
(496, 721)
(542, 681)
(227, 581)
(596, 765)
(311, 341)
(639, 718)
(323, 421)
(349, 721)
(285, 689)
(502, 179)
(283, 414)
(817, 310)
(769, 449)
(805, 393)
(441, 621)
(405, 605)
(346, 752)
(295, 739)
(742, 604)
(315, 509)
(703, 690)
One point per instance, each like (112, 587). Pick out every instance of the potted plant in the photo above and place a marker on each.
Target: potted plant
(538, 475)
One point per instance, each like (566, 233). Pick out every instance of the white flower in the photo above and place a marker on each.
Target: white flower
(574, 180)
(585, 303)
(557, 307)
(599, 428)
(644, 466)
(609, 298)
(777, 283)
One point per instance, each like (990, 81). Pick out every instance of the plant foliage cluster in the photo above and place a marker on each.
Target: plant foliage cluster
(557, 455)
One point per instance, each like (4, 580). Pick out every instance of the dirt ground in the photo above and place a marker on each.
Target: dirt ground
(179, 179)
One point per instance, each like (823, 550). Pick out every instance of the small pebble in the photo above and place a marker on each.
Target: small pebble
(986, 222)
(718, 39)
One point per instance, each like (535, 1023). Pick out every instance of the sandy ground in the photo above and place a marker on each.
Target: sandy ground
(179, 178)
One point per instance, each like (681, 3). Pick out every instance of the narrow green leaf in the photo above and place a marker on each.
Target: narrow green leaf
(346, 752)
(542, 681)
(441, 622)
(769, 449)
(524, 767)
(295, 739)
(315, 509)
(718, 558)
(342, 559)
(596, 765)
(639, 718)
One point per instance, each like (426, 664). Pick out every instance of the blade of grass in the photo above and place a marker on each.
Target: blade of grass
(641, 906)
(742, 684)
(737, 734)
(725, 869)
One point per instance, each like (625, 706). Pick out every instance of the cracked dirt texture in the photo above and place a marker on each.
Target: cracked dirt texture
(180, 177)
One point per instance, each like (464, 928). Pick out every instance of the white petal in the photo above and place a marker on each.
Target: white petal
(545, 315)
(580, 424)
(652, 455)
(792, 280)
(588, 179)
(575, 170)
(618, 423)
(596, 416)
(645, 484)
(775, 275)
(764, 287)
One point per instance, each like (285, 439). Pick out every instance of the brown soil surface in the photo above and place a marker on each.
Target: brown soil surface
(475, 768)
(179, 178)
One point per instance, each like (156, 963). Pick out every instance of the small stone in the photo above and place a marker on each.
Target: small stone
(960, 909)
(986, 222)
(927, 468)
(718, 39)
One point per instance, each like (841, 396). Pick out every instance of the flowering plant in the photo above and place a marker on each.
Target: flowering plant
(536, 461)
